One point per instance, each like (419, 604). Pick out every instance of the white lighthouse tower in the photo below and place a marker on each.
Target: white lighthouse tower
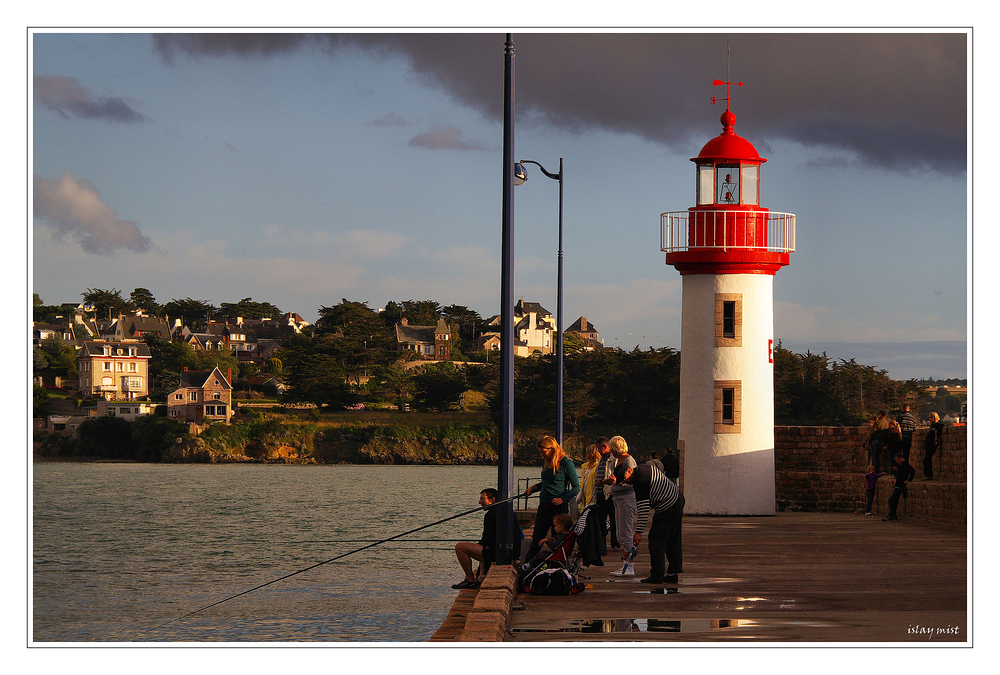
(727, 248)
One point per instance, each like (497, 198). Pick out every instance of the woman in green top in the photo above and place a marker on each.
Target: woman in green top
(560, 483)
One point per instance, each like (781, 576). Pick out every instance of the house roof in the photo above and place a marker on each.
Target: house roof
(407, 334)
(523, 307)
(96, 348)
(198, 378)
(576, 326)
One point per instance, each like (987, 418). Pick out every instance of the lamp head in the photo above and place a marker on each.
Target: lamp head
(520, 173)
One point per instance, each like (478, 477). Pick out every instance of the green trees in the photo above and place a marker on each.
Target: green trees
(248, 309)
(107, 304)
(141, 298)
(811, 389)
(190, 310)
(439, 387)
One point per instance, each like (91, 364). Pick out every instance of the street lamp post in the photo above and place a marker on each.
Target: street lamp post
(521, 176)
(505, 464)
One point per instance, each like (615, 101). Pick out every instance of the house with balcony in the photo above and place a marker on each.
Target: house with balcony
(114, 371)
(202, 396)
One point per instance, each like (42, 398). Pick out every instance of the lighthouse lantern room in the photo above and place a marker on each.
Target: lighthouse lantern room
(727, 249)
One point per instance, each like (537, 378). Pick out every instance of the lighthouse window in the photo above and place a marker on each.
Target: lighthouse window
(749, 193)
(727, 179)
(706, 184)
(728, 319)
(728, 406)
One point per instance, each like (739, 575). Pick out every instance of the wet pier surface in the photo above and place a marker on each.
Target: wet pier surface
(794, 577)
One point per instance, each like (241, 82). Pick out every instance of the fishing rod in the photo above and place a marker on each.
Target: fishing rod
(343, 555)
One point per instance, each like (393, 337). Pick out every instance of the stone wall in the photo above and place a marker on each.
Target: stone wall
(822, 469)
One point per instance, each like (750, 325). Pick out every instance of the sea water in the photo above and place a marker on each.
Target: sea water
(128, 552)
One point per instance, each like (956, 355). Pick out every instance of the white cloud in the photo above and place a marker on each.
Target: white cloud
(73, 208)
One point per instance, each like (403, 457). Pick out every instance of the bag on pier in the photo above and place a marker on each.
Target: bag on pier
(553, 581)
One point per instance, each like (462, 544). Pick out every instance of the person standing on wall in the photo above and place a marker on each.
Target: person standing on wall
(907, 425)
(932, 442)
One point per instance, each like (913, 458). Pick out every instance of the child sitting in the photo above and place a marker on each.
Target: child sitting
(562, 525)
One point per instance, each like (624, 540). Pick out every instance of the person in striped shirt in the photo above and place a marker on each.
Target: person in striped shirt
(654, 489)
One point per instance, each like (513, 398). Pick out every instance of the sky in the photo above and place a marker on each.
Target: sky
(303, 168)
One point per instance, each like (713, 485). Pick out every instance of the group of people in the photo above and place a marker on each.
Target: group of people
(896, 436)
(616, 489)
(893, 437)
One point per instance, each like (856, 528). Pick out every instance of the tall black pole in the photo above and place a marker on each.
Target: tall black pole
(505, 531)
(559, 318)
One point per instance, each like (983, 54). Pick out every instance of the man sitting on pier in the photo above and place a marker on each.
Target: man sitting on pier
(482, 551)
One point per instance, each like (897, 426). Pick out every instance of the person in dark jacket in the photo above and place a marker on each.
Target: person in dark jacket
(482, 551)
(671, 466)
(904, 474)
(932, 442)
(907, 425)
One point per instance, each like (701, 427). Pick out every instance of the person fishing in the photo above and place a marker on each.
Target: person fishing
(483, 550)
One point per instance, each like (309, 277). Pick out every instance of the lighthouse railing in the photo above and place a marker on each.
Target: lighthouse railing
(727, 229)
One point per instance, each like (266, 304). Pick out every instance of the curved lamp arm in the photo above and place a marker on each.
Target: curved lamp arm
(553, 176)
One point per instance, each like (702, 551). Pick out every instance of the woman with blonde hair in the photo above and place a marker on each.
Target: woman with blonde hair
(589, 482)
(624, 499)
(560, 483)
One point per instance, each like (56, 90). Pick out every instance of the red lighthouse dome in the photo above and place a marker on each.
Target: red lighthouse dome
(727, 231)
(728, 146)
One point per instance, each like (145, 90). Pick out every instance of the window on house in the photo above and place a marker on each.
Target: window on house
(106, 365)
(217, 395)
(210, 410)
(728, 319)
(193, 396)
(178, 397)
(132, 367)
(220, 410)
(728, 406)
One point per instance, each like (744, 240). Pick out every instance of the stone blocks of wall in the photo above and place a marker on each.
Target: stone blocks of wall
(822, 469)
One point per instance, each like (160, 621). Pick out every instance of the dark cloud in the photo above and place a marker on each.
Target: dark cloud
(68, 98)
(75, 209)
(895, 100)
(444, 138)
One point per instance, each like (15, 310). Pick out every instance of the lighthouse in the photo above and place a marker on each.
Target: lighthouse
(727, 248)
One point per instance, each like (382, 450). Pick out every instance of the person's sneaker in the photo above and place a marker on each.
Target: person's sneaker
(629, 571)
(869, 514)
(670, 579)
(652, 580)
(889, 519)
(465, 583)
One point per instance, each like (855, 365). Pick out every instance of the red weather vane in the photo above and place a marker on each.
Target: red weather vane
(719, 83)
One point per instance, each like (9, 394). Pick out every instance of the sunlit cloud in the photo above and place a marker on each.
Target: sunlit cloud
(74, 209)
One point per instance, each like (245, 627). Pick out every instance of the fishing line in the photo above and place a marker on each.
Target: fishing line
(478, 509)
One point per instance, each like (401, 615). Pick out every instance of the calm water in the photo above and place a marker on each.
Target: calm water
(120, 549)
